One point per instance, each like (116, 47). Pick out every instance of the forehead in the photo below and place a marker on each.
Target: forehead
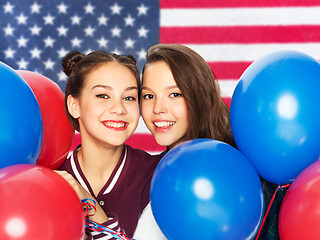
(158, 73)
(111, 74)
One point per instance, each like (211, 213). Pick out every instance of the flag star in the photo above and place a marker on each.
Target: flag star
(142, 54)
(9, 53)
(62, 52)
(129, 43)
(49, 41)
(22, 64)
(8, 30)
(89, 8)
(102, 20)
(22, 42)
(8, 8)
(142, 10)
(116, 31)
(88, 51)
(62, 31)
(129, 20)
(62, 76)
(48, 64)
(22, 19)
(48, 19)
(143, 32)
(75, 20)
(76, 42)
(62, 8)
(89, 31)
(115, 9)
(35, 8)
(116, 51)
(35, 53)
(102, 42)
(35, 30)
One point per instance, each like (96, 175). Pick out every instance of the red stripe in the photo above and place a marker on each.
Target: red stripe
(240, 34)
(228, 70)
(227, 101)
(144, 141)
(236, 3)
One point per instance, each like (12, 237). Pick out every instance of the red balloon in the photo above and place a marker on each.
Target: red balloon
(57, 130)
(299, 215)
(37, 203)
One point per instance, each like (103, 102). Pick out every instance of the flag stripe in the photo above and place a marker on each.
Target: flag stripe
(146, 141)
(235, 3)
(246, 52)
(240, 34)
(228, 70)
(240, 16)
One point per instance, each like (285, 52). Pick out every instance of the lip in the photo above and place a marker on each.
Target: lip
(116, 125)
(165, 125)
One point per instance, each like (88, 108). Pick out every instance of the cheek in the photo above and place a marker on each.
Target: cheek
(145, 109)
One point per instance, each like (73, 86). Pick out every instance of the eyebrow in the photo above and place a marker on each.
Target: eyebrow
(110, 88)
(169, 87)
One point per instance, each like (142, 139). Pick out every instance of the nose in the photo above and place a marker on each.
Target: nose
(160, 106)
(117, 107)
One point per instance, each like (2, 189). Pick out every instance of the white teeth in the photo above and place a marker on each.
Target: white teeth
(163, 124)
(115, 125)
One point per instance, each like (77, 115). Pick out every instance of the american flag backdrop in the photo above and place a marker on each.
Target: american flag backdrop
(229, 34)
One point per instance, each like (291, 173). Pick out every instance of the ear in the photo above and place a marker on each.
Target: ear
(73, 107)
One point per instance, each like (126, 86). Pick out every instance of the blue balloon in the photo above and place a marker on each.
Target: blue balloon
(206, 189)
(21, 127)
(275, 114)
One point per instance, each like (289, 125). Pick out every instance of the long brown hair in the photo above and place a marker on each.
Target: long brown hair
(77, 66)
(208, 115)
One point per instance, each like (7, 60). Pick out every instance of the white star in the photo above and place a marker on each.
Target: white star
(143, 32)
(115, 9)
(62, 52)
(35, 53)
(116, 31)
(76, 42)
(142, 53)
(62, 8)
(89, 8)
(116, 51)
(62, 31)
(35, 30)
(35, 8)
(9, 53)
(102, 20)
(129, 43)
(62, 76)
(129, 20)
(22, 42)
(88, 51)
(8, 8)
(142, 10)
(8, 30)
(89, 31)
(49, 41)
(75, 20)
(48, 19)
(48, 64)
(102, 42)
(23, 64)
(22, 19)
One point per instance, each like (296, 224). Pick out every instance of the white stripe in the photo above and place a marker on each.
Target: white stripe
(227, 87)
(105, 237)
(142, 128)
(240, 16)
(250, 52)
(116, 176)
(78, 176)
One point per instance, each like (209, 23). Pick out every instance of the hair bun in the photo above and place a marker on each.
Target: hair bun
(70, 60)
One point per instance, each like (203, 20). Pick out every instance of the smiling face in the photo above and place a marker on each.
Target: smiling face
(108, 108)
(163, 107)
